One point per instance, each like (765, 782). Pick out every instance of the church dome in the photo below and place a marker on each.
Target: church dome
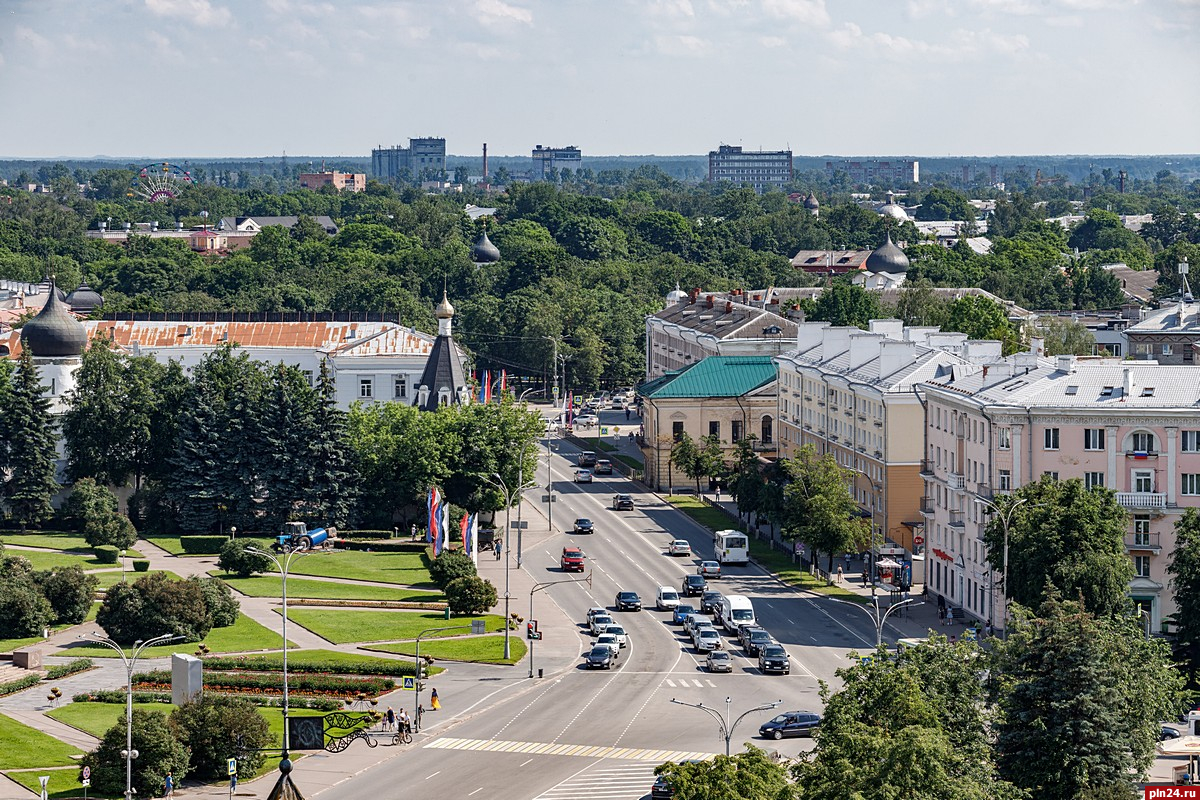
(444, 309)
(811, 201)
(84, 300)
(676, 295)
(894, 211)
(887, 258)
(55, 332)
(483, 251)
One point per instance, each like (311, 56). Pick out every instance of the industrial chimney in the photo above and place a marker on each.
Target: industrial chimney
(485, 168)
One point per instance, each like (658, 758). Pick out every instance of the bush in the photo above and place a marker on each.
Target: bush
(274, 663)
(158, 753)
(470, 595)
(57, 671)
(379, 546)
(107, 554)
(21, 683)
(450, 566)
(117, 530)
(272, 682)
(202, 545)
(213, 728)
(153, 605)
(24, 611)
(218, 600)
(69, 591)
(235, 559)
(118, 696)
(88, 503)
(141, 565)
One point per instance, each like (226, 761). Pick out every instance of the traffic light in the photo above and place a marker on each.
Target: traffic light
(531, 630)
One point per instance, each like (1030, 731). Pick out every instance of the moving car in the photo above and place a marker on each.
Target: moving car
(618, 402)
(773, 658)
(719, 661)
(584, 525)
(628, 601)
(603, 467)
(790, 723)
(710, 602)
(755, 640)
(735, 610)
(587, 420)
(619, 632)
(609, 640)
(622, 502)
(599, 657)
(679, 547)
(707, 639)
(583, 476)
(571, 560)
(667, 598)
(693, 585)
(709, 569)
(681, 613)
(593, 611)
(599, 622)
(586, 459)
(695, 620)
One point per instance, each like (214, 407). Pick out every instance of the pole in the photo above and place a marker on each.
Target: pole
(1005, 521)
(537, 587)
(520, 489)
(417, 659)
(507, 554)
(725, 728)
(873, 613)
(549, 489)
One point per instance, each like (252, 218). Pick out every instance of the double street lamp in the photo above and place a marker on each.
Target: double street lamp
(498, 482)
(724, 725)
(878, 616)
(1005, 517)
(537, 587)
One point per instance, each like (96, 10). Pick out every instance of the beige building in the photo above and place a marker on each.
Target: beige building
(342, 181)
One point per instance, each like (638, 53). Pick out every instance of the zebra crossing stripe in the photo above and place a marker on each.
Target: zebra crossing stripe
(577, 750)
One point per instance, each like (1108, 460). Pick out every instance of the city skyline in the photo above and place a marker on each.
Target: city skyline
(927, 78)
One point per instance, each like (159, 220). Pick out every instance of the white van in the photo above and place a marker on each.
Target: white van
(735, 610)
(667, 598)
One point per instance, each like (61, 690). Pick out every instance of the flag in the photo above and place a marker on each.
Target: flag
(570, 407)
(444, 528)
(503, 382)
(437, 521)
(430, 520)
(483, 388)
(462, 527)
(487, 386)
(472, 540)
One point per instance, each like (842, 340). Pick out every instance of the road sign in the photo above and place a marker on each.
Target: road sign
(85, 783)
(523, 524)
(87, 773)
(918, 540)
(616, 429)
(549, 498)
(604, 431)
(233, 766)
(408, 684)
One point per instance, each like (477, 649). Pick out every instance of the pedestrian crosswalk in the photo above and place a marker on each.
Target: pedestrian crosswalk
(684, 683)
(605, 782)
(552, 749)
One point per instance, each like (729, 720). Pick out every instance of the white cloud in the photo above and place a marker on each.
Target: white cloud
(681, 45)
(918, 9)
(200, 12)
(671, 8)
(966, 45)
(772, 41)
(502, 11)
(808, 12)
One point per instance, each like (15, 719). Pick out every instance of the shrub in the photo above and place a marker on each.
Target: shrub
(218, 600)
(117, 530)
(153, 605)
(69, 591)
(158, 753)
(202, 545)
(21, 683)
(273, 683)
(24, 611)
(450, 566)
(57, 671)
(88, 503)
(118, 696)
(235, 559)
(141, 565)
(274, 663)
(107, 553)
(213, 728)
(470, 595)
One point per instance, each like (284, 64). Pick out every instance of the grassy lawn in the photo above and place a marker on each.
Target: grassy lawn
(344, 626)
(63, 783)
(629, 461)
(108, 579)
(8, 645)
(269, 586)
(171, 545)
(96, 718)
(472, 649)
(25, 747)
(334, 657)
(407, 569)
(48, 559)
(244, 635)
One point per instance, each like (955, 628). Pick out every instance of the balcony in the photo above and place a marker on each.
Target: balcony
(1140, 500)
(984, 491)
(956, 480)
(957, 519)
(1143, 542)
(849, 412)
(1140, 454)
(927, 506)
(927, 467)
(862, 417)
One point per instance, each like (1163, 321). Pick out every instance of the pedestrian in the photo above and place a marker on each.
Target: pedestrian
(412, 534)
(953, 639)
(434, 703)
(987, 630)
(169, 785)
(839, 575)
(420, 715)
(391, 719)
(498, 545)
(718, 494)
(941, 615)
(403, 723)
(847, 556)
(627, 413)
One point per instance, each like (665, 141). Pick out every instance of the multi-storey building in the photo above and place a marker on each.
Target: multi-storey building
(853, 393)
(342, 181)
(896, 171)
(424, 157)
(762, 169)
(1130, 427)
(548, 162)
(1168, 336)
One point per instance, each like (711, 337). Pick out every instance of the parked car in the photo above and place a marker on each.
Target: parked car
(681, 612)
(628, 601)
(584, 525)
(719, 661)
(609, 640)
(709, 569)
(583, 476)
(622, 502)
(667, 599)
(679, 547)
(790, 723)
(619, 632)
(600, 621)
(587, 420)
(707, 639)
(599, 657)
(709, 602)
(603, 467)
(773, 658)
(571, 559)
(1167, 732)
(693, 585)
(586, 459)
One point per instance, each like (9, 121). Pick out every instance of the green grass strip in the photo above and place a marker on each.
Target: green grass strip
(470, 649)
(27, 748)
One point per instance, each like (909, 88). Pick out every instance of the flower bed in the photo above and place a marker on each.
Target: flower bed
(274, 663)
(19, 684)
(118, 696)
(271, 682)
(63, 670)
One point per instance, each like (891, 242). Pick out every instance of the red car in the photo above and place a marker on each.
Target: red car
(572, 559)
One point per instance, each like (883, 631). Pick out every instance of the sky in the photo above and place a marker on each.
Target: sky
(210, 78)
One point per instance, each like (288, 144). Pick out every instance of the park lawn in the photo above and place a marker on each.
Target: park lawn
(63, 784)
(471, 649)
(269, 586)
(407, 569)
(334, 657)
(55, 540)
(110, 579)
(245, 635)
(96, 718)
(25, 748)
(48, 559)
(8, 645)
(343, 626)
(173, 546)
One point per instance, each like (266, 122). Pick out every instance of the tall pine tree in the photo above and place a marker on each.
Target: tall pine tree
(1185, 582)
(31, 446)
(288, 428)
(335, 484)
(96, 421)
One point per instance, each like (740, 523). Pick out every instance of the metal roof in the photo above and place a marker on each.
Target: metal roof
(715, 376)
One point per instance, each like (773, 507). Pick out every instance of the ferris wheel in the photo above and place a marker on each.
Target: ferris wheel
(159, 182)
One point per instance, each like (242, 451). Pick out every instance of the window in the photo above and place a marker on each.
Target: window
(1142, 538)
(1166, 349)
(1143, 442)
(1093, 480)
(1093, 438)
(1141, 524)
(1147, 391)
(1051, 474)
(1191, 441)
(1143, 480)
(1141, 566)
(1190, 483)
(1107, 391)
(366, 388)
(1004, 437)
(766, 432)
(714, 428)
(735, 434)
(1051, 438)
(677, 430)
(401, 387)
(308, 376)
(1005, 480)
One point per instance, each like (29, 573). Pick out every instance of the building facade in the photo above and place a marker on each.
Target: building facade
(423, 157)
(342, 181)
(549, 161)
(897, 171)
(762, 169)
(1170, 335)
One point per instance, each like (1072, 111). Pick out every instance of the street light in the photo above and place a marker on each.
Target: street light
(873, 612)
(498, 482)
(537, 587)
(122, 566)
(129, 754)
(724, 725)
(476, 627)
(1005, 516)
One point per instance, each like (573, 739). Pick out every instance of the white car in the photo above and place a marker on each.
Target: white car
(617, 631)
(583, 476)
(679, 547)
(693, 621)
(599, 621)
(587, 420)
(707, 640)
(593, 611)
(610, 641)
(667, 598)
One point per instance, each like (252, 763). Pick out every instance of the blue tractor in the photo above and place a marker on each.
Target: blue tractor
(297, 536)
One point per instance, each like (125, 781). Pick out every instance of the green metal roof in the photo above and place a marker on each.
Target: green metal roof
(715, 376)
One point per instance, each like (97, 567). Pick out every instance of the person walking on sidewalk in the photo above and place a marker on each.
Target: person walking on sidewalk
(839, 573)
(498, 545)
(169, 785)
(434, 703)
(390, 723)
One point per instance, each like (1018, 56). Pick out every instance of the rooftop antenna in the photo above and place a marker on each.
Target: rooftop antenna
(1185, 291)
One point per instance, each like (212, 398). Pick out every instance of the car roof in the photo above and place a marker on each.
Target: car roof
(694, 578)
(666, 589)
(773, 646)
(719, 654)
(681, 541)
(626, 591)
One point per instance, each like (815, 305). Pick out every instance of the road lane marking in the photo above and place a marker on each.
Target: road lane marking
(552, 749)
(427, 777)
(670, 683)
(710, 683)
(477, 791)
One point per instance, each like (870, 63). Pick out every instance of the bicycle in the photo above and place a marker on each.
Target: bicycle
(403, 735)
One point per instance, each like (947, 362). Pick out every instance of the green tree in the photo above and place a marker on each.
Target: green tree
(687, 457)
(844, 303)
(749, 775)
(333, 494)
(1065, 537)
(1184, 570)
(745, 477)
(159, 752)
(979, 317)
(235, 558)
(213, 729)
(1064, 337)
(818, 508)
(944, 204)
(93, 510)
(1080, 698)
(152, 606)
(24, 611)
(69, 591)
(95, 421)
(919, 306)
(470, 595)
(32, 446)
(222, 607)
(450, 566)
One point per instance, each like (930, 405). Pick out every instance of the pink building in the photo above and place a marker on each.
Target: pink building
(342, 181)
(1130, 427)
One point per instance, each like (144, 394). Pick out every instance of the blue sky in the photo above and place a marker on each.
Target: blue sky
(888, 77)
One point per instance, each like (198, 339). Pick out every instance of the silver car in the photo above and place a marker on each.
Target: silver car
(707, 640)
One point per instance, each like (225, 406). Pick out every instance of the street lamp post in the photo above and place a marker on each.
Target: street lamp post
(724, 725)
(878, 619)
(122, 566)
(537, 587)
(1005, 519)
(129, 754)
(499, 483)
(476, 627)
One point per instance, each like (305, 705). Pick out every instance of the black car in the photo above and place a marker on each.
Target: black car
(622, 502)
(709, 602)
(790, 723)
(756, 639)
(773, 658)
(628, 601)
(599, 657)
(693, 585)
(583, 525)
(1166, 732)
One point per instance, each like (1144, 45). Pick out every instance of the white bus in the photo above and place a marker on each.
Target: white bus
(732, 547)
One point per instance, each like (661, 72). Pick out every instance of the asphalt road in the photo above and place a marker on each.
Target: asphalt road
(599, 734)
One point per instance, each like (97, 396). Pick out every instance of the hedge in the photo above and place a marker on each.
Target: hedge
(365, 535)
(272, 682)
(63, 670)
(275, 663)
(19, 684)
(118, 696)
(141, 565)
(379, 546)
(202, 545)
(106, 553)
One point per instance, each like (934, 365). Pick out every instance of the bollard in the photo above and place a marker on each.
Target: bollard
(539, 672)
